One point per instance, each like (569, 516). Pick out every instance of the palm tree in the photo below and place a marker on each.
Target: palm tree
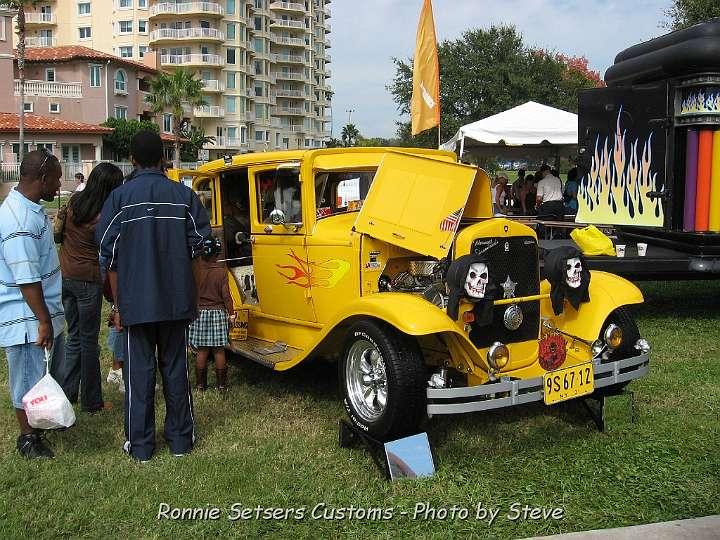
(196, 140)
(175, 92)
(20, 6)
(350, 135)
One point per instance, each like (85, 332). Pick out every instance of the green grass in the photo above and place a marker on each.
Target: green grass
(272, 441)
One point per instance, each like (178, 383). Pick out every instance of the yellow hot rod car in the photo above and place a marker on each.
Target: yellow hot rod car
(389, 261)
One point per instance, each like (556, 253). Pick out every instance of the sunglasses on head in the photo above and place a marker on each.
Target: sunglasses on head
(48, 155)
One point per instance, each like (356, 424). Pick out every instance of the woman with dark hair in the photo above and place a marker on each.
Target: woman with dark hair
(82, 290)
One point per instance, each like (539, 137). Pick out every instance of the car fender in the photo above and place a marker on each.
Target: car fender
(607, 293)
(412, 315)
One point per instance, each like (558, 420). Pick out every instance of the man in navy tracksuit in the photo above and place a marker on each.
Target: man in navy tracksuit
(150, 229)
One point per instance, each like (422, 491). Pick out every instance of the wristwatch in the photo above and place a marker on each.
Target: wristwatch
(113, 308)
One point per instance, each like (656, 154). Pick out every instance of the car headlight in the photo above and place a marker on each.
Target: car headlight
(613, 336)
(498, 356)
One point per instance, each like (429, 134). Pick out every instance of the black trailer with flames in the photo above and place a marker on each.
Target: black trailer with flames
(647, 159)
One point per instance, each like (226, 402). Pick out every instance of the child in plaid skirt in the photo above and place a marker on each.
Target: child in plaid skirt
(209, 331)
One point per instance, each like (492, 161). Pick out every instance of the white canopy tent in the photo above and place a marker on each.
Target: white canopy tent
(528, 130)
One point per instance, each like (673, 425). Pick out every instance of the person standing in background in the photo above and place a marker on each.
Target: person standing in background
(30, 288)
(82, 291)
(549, 196)
(570, 193)
(80, 182)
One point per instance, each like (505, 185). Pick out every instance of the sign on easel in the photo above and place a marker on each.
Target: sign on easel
(410, 457)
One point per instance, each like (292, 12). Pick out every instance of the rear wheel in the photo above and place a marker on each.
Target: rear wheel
(383, 381)
(621, 317)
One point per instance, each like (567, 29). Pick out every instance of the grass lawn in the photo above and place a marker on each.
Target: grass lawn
(272, 441)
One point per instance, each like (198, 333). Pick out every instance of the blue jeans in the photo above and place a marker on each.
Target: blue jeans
(26, 366)
(80, 371)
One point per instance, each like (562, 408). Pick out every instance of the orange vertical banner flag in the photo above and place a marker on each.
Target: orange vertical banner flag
(704, 176)
(425, 103)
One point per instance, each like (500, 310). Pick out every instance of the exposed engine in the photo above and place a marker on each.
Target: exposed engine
(424, 277)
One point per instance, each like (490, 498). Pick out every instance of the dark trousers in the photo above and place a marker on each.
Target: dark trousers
(169, 338)
(80, 370)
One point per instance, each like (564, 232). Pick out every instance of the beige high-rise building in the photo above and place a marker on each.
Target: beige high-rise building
(264, 63)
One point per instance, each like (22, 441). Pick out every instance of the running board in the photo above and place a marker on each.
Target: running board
(264, 352)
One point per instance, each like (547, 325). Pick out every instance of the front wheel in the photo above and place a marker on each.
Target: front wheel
(622, 318)
(383, 381)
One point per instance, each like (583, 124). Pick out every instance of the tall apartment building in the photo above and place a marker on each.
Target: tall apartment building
(264, 63)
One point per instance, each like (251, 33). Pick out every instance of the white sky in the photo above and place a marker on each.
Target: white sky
(366, 34)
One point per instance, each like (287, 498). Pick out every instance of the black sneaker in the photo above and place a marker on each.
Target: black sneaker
(32, 446)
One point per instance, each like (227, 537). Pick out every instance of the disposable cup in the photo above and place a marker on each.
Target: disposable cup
(642, 249)
(620, 250)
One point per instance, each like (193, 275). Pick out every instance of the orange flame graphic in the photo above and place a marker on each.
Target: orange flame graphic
(308, 274)
(616, 187)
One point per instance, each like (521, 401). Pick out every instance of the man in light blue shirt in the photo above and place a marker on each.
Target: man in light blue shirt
(31, 312)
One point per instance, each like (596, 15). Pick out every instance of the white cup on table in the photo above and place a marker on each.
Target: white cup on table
(620, 250)
(642, 249)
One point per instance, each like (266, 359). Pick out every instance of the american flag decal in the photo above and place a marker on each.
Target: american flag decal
(451, 222)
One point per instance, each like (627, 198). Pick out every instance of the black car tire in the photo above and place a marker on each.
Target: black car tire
(622, 318)
(398, 358)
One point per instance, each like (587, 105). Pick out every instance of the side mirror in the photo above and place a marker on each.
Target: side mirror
(277, 217)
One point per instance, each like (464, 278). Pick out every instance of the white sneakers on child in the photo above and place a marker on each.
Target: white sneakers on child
(115, 377)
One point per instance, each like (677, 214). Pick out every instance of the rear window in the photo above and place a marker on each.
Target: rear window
(340, 192)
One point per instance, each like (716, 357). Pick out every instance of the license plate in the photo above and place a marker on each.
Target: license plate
(568, 383)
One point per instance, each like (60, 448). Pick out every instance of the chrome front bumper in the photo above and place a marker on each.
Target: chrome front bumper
(508, 393)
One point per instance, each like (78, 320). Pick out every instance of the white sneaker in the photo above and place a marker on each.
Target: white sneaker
(115, 376)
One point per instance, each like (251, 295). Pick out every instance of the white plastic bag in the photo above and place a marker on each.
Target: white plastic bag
(46, 405)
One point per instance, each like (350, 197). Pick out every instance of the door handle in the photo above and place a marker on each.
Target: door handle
(398, 235)
(268, 229)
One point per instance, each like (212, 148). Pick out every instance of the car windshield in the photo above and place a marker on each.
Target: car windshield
(340, 192)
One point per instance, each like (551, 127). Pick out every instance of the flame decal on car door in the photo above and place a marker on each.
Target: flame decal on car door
(308, 274)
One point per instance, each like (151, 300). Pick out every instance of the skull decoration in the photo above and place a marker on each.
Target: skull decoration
(573, 269)
(477, 280)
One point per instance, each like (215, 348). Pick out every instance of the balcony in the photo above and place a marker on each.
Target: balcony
(287, 6)
(328, 57)
(288, 58)
(229, 142)
(50, 89)
(142, 100)
(208, 111)
(288, 23)
(171, 9)
(328, 27)
(287, 111)
(296, 129)
(328, 43)
(290, 41)
(41, 42)
(192, 60)
(40, 19)
(288, 76)
(212, 86)
(284, 93)
(171, 34)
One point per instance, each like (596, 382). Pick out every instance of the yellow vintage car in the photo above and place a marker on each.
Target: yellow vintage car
(390, 262)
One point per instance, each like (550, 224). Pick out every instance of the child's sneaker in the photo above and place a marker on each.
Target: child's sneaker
(115, 377)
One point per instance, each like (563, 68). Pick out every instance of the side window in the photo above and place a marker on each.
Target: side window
(340, 192)
(279, 189)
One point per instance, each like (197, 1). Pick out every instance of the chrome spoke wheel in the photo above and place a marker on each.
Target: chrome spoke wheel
(366, 380)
